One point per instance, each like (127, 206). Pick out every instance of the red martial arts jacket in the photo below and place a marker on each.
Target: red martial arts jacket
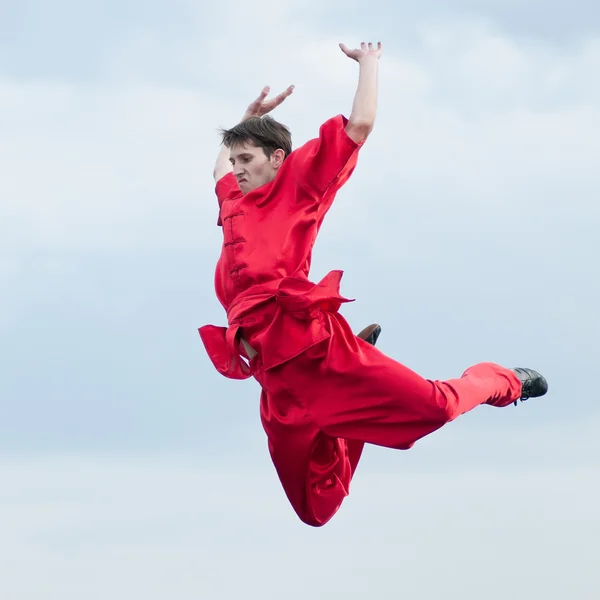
(261, 277)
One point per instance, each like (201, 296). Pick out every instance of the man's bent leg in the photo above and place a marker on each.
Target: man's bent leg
(315, 469)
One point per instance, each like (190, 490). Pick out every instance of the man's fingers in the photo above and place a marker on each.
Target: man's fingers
(286, 93)
(263, 94)
(281, 97)
(261, 107)
(364, 47)
(256, 104)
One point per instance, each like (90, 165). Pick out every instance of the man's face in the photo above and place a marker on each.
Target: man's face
(251, 166)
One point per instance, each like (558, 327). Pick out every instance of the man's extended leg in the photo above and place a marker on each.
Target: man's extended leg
(360, 393)
(319, 410)
(533, 384)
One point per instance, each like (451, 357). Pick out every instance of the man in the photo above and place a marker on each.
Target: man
(325, 391)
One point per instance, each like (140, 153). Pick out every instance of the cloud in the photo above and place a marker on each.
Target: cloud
(95, 167)
(175, 525)
(470, 120)
(474, 215)
(472, 209)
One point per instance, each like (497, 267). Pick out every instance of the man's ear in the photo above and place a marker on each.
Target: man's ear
(277, 157)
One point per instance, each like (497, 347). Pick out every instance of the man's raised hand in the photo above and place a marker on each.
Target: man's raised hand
(261, 107)
(365, 50)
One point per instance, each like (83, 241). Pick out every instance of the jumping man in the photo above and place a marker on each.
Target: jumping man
(325, 392)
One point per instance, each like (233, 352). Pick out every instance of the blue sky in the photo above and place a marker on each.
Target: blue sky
(469, 231)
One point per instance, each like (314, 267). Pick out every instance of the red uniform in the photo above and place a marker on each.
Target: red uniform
(325, 392)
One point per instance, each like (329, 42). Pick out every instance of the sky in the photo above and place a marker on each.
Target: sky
(129, 466)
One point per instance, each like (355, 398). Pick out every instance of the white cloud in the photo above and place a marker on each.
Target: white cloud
(485, 118)
(476, 130)
(171, 525)
(103, 167)
(10, 268)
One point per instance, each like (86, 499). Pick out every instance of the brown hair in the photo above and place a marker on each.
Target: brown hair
(264, 132)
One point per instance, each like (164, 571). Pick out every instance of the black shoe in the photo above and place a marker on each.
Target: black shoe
(534, 384)
(370, 334)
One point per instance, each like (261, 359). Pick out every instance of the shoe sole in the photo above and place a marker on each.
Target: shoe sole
(370, 334)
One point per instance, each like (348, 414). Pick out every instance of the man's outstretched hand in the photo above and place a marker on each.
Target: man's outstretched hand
(365, 50)
(261, 107)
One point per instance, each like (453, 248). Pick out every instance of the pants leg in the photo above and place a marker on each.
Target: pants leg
(319, 409)
(359, 393)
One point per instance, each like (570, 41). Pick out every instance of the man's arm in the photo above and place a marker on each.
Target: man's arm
(362, 119)
(258, 108)
(222, 166)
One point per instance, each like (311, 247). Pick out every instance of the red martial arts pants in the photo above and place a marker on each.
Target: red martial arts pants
(320, 408)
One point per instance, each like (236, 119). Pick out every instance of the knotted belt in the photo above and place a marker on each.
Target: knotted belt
(294, 295)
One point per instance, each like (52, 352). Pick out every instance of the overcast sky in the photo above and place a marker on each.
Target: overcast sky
(129, 468)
